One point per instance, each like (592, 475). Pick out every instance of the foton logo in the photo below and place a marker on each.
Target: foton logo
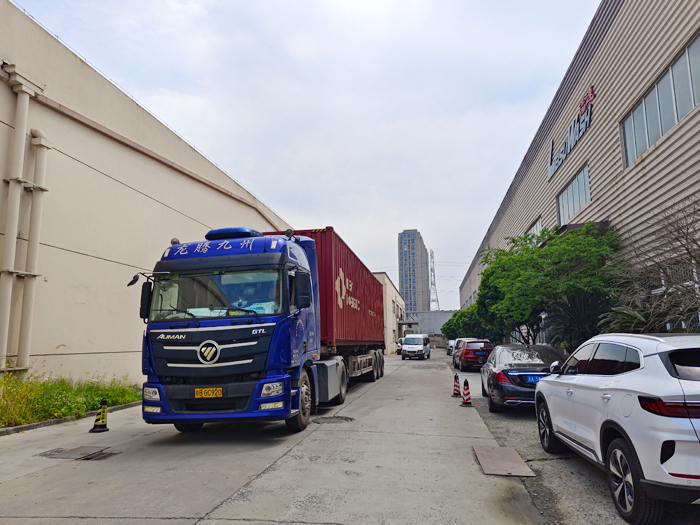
(163, 336)
(342, 287)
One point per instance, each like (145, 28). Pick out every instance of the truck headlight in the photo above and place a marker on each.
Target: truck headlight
(271, 406)
(151, 394)
(272, 389)
(154, 410)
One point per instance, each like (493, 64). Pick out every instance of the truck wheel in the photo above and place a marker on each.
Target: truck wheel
(189, 427)
(340, 398)
(301, 420)
(374, 374)
(381, 365)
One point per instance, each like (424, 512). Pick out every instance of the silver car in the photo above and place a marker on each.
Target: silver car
(631, 405)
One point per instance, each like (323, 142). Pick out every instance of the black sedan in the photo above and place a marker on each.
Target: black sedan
(511, 373)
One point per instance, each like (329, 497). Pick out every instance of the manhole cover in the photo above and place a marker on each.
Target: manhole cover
(333, 419)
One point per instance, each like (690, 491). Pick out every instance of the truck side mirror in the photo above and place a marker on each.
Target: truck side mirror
(146, 292)
(303, 290)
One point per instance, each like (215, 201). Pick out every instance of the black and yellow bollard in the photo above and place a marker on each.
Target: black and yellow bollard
(101, 418)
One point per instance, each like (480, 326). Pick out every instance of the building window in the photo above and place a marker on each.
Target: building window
(536, 228)
(670, 99)
(575, 197)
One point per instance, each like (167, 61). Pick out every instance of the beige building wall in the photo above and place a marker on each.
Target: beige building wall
(394, 311)
(121, 185)
(643, 40)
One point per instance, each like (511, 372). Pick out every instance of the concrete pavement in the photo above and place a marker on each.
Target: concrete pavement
(406, 458)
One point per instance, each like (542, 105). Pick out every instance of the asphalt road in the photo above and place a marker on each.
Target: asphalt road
(403, 455)
(568, 489)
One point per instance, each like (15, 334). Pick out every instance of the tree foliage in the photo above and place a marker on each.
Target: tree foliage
(535, 271)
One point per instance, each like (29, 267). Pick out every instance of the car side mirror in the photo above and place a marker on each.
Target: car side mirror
(303, 290)
(146, 292)
(555, 368)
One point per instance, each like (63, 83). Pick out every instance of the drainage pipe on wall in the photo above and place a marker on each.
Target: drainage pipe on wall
(14, 194)
(42, 145)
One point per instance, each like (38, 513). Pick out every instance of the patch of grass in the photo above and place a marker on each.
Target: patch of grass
(30, 399)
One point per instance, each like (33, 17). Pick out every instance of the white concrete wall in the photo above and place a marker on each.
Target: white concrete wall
(394, 310)
(111, 209)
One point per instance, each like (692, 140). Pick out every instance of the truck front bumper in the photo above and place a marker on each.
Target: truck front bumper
(229, 401)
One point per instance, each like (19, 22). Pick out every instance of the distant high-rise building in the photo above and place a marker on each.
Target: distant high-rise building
(414, 280)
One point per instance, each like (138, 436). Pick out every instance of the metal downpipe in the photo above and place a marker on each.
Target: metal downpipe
(14, 194)
(25, 331)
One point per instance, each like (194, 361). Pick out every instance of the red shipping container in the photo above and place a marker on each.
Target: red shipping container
(352, 299)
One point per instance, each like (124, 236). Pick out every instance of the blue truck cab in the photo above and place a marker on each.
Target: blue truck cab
(233, 331)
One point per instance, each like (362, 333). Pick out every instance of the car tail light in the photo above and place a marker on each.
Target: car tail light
(684, 476)
(670, 409)
(501, 377)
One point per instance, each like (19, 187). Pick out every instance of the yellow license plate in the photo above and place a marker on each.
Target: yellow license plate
(208, 392)
(411, 355)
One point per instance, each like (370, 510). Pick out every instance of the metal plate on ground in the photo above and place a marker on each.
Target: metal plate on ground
(333, 419)
(73, 453)
(502, 461)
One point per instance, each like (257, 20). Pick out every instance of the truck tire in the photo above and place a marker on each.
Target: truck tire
(301, 420)
(188, 427)
(374, 374)
(381, 365)
(340, 398)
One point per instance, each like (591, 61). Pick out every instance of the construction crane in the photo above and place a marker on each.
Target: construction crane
(434, 302)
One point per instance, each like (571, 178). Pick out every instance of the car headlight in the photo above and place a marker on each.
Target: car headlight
(151, 394)
(272, 389)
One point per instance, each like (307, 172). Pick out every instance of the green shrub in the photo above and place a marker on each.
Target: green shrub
(30, 399)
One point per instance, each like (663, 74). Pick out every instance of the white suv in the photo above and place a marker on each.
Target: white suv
(631, 405)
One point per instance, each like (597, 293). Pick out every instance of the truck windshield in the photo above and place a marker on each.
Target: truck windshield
(216, 294)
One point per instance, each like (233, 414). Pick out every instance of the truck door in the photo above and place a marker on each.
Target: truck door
(297, 333)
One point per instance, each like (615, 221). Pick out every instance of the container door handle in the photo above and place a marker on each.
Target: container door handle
(569, 391)
(606, 397)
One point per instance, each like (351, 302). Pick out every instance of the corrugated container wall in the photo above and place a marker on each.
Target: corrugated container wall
(351, 297)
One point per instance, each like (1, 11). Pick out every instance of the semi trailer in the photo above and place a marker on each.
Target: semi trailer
(246, 325)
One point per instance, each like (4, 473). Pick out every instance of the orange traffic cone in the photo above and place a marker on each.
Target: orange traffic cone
(455, 389)
(466, 397)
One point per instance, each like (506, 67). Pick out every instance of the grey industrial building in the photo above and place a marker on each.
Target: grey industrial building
(414, 271)
(621, 138)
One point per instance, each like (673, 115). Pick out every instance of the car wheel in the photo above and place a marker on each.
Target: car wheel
(548, 440)
(188, 427)
(421, 357)
(429, 355)
(624, 480)
(493, 407)
(462, 368)
(403, 357)
(484, 393)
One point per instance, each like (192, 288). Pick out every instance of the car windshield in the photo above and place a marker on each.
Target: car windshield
(413, 341)
(515, 357)
(479, 345)
(216, 294)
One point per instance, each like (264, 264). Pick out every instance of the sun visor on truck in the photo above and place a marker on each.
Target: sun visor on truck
(229, 261)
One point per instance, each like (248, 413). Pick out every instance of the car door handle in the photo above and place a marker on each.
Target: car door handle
(606, 397)
(569, 391)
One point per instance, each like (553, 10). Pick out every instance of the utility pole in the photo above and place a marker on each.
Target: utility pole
(434, 302)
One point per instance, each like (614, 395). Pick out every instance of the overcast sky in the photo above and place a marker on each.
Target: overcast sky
(372, 116)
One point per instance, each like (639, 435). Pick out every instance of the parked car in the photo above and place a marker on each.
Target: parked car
(450, 346)
(416, 345)
(511, 373)
(631, 405)
(471, 352)
(399, 345)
